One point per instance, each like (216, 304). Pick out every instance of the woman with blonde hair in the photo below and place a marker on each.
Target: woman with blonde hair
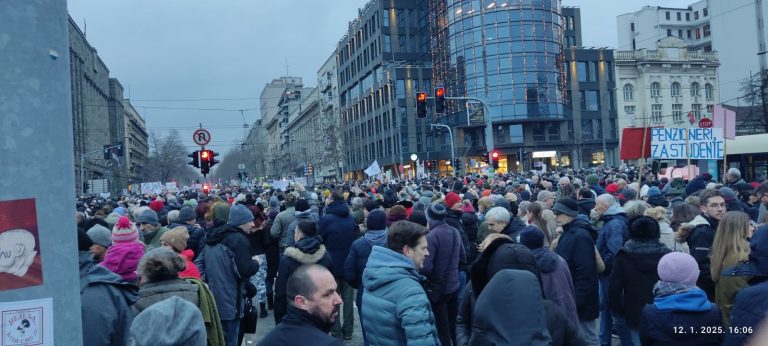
(483, 205)
(730, 247)
(668, 237)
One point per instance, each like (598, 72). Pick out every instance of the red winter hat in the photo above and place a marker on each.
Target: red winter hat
(451, 198)
(612, 188)
(156, 205)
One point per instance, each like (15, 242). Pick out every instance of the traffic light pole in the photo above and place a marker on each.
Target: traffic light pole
(82, 165)
(488, 122)
(453, 153)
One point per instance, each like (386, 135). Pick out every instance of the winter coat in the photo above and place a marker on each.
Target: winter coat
(196, 234)
(441, 266)
(576, 246)
(280, 227)
(395, 308)
(695, 185)
(471, 228)
(299, 216)
(658, 201)
(749, 309)
(599, 190)
(358, 256)
(454, 219)
(701, 235)
(300, 328)
(630, 285)
(191, 271)
(308, 250)
(338, 229)
(668, 238)
(226, 265)
(586, 205)
(151, 293)
(509, 312)
(514, 228)
(612, 237)
(170, 322)
(123, 259)
(105, 306)
(556, 282)
(744, 274)
(153, 239)
(667, 316)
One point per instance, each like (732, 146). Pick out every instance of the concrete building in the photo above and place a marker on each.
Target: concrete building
(382, 62)
(304, 136)
(661, 87)
(733, 28)
(136, 146)
(330, 164)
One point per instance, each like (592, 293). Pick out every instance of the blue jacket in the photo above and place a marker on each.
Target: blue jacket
(599, 190)
(748, 311)
(446, 251)
(358, 256)
(665, 320)
(339, 230)
(612, 237)
(395, 309)
(106, 304)
(226, 265)
(577, 248)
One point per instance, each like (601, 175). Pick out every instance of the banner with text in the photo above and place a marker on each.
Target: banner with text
(691, 143)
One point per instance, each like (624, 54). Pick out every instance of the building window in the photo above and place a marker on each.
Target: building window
(696, 107)
(583, 100)
(669, 32)
(705, 12)
(698, 33)
(689, 33)
(694, 89)
(385, 16)
(387, 44)
(667, 15)
(538, 133)
(706, 31)
(570, 130)
(629, 92)
(656, 112)
(709, 92)
(688, 17)
(400, 17)
(516, 134)
(593, 100)
(675, 89)
(586, 128)
(708, 48)
(679, 16)
(629, 110)
(677, 112)
(696, 15)
(593, 71)
(500, 135)
(680, 33)
(581, 70)
(655, 89)
(710, 110)
(554, 132)
(632, 26)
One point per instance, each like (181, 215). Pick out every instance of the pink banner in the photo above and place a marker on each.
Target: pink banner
(726, 119)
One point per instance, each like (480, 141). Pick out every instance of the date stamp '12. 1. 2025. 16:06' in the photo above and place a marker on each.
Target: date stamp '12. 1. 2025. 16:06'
(713, 330)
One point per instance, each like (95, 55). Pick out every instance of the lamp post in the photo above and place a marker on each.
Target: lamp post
(414, 158)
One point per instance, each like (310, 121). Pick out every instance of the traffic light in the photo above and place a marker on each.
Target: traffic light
(495, 159)
(212, 158)
(120, 151)
(310, 168)
(457, 164)
(205, 163)
(525, 155)
(421, 104)
(195, 159)
(106, 152)
(206, 188)
(439, 100)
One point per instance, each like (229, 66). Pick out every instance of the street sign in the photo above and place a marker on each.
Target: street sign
(705, 123)
(201, 137)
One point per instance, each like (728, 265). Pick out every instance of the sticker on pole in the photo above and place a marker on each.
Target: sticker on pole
(201, 137)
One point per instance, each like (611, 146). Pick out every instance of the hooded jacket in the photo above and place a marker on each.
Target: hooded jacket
(300, 328)
(308, 250)
(181, 321)
(105, 304)
(744, 274)
(666, 316)
(586, 205)
(226, 265)
(338, 229)
(454, 219)
(576, 247)
(471, 229)
(749, 310)
(441, 266)
(630, 285)
(395, 309)
(358, 256)
(504, 318)
(281, 225)
(556, 282)
(514, 228)
(701, 235)
(155, 292)
(288, 234)
(612, 236)
(123, 259)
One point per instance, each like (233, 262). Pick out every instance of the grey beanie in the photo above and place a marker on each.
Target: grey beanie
(186, 213)
(239, 215)
(148, 216)
(100, 235)
(188, 327)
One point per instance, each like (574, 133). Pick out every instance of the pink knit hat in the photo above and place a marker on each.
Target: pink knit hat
(124, 231)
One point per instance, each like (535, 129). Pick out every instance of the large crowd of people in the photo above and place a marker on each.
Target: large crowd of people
(568, 257)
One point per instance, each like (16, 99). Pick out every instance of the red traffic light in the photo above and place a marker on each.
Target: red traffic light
(421, 97)
(495, 154)
(440, 92)
(204, 154)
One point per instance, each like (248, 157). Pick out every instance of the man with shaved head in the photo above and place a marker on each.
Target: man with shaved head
(312, 309)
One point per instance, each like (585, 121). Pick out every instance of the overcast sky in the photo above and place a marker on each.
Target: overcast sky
(215, 57)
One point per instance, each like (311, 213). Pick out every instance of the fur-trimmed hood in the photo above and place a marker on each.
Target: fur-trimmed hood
(306, 252)
(685, 229)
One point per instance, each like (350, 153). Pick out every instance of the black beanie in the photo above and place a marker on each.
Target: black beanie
(302, 205)
(644, 227)
(377, 220)
(371, 205)
(84, 242)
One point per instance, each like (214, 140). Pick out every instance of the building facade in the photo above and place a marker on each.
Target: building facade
(641, 29)
(136, 147)
(330, 164)
(278, 100)
(661, 87)
(304, 136)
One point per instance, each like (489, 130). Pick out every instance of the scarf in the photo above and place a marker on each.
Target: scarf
(664, 288)
(375, 237)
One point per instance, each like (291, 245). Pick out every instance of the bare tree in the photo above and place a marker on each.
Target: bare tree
(168, 159)
(753, 118)
(228, 167)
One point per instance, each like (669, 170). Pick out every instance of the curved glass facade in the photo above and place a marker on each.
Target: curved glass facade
(509, 52)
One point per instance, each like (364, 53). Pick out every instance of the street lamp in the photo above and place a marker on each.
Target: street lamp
(414, 158)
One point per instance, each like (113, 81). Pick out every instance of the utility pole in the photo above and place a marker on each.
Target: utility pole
(453, 153)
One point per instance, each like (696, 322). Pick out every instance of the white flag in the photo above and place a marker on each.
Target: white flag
(373, 169)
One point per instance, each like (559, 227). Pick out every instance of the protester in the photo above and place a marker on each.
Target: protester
(123, 256)
(396, 310)
(176, 241)
(150, 228)
(749, 272)
(102, 240)
(701, 234)
(160, 280)
(314, 306)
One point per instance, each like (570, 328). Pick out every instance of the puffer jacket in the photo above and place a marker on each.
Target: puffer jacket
(576, 246)
(151, 293)
(471, 228)
(701, 235)
(280, 226)
(395, 309)
(667, 315)
(338, 229)
(612, 236)
(308, 250)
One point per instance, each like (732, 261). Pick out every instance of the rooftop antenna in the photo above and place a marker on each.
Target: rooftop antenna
(287, 74)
